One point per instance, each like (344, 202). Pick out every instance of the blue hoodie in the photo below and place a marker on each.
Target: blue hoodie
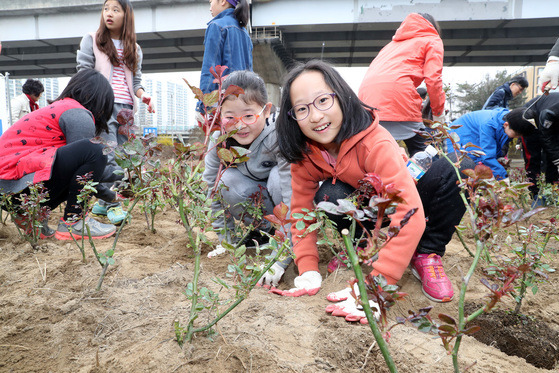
(484, 128)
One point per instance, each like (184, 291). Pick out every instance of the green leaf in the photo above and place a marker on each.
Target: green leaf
(210, 99)
(225, 155)
(240, 251)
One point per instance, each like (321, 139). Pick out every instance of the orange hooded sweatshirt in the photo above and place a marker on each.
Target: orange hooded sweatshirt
(414, 54)
(370, 151)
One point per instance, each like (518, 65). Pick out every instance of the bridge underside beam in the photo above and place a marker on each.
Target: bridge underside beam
(488, 42)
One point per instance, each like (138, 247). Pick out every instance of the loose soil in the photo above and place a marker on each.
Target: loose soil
(52, 319)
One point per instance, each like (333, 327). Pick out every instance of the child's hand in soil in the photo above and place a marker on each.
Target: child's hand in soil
(347, 306)
(217, 251)
(306, 284)
(272, 277)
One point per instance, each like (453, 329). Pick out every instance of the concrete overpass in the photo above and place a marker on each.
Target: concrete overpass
(40, 38)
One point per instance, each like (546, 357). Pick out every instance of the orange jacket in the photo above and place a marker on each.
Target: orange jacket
(414, 54)
(370, 151)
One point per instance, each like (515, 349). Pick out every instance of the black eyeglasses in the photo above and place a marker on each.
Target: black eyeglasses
(322, 103)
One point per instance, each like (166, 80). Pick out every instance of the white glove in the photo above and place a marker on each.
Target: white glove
(549, 78)
(439, 118)
(146, 99)
(347, 306)
(273, 276)
(217, 251)
(307, 284)
(308, 280)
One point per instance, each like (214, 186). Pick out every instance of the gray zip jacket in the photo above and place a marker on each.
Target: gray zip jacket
(264, 155)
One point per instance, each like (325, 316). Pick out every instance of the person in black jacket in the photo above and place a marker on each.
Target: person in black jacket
(544, 144)
(506, 92)
(550, 75)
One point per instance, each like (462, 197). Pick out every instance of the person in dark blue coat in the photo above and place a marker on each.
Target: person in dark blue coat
(503, 94)
(491, 131)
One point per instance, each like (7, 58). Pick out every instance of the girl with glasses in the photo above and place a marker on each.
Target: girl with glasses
(333, 140)
(249, 118)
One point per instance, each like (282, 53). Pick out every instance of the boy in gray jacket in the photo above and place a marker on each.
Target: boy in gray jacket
(265, 171)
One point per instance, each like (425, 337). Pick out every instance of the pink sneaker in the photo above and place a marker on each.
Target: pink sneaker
(428, 268)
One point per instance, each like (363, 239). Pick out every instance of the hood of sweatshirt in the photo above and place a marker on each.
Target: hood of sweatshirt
(414, 26)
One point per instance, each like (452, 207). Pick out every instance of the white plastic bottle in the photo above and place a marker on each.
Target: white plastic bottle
(421, 161)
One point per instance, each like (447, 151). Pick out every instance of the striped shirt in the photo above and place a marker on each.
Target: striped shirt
(120, 88)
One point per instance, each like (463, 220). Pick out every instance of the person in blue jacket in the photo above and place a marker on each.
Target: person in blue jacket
(506, 92)
(491, 131)
(226, 42)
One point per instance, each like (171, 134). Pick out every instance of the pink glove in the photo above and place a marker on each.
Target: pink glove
(347, 306)
(146, 99)
(306, 284)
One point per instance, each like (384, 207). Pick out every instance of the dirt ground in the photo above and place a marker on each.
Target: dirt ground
(52, 319)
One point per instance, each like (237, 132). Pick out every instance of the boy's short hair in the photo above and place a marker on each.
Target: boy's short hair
(520, 80)
(518, 124)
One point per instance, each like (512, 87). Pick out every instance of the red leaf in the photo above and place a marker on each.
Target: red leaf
(125, 116)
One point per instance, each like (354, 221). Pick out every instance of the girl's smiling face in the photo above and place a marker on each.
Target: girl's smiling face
(234, 108)
(113, 15)
(320, 126)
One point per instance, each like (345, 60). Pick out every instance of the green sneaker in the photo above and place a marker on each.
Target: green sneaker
(116, 215)
(99, 209)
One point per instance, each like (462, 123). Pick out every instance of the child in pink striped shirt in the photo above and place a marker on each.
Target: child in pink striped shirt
(112, 50)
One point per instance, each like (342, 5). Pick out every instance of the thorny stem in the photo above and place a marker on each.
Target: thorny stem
(365, 302)
(117, 235)
(242, 297)
(195, 244)
(102, 277)
(461, 319)
(464, 243)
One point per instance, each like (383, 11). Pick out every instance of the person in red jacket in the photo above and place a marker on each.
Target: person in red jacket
(52, 145)
(414, 55)
(332, 141)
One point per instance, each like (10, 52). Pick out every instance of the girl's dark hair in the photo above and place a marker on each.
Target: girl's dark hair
(251, 83)
(432, 21)
(242, 12)
(128, 38)
(357, 116)
(32, 87)
(93, 91)
(518, 124)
